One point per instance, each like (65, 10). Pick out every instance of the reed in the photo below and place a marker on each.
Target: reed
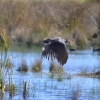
(56, 71)
(24, 89)
(6, 65)
(37, 66)
(12, 89)
(3, 58)
(55, 68)
(23, 67)
(2, 87)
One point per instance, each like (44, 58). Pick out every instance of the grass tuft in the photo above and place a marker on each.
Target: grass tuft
(54, 68)
(11, 89)
(56, 71)
(23, 66)
(37, 66)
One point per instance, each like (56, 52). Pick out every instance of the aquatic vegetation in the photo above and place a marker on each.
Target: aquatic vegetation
(11, 89)
(55, 68)
(2, 87)
(57, 18)
(23, 66)
(83, 71)
(5, 66)
(27, 86)
(56, 71)
(3, 59)
(37, 66)
(60, 78)
(24, 89)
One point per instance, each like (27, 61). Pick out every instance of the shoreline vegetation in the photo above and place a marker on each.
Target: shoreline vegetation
(30, 22)
(6, 71)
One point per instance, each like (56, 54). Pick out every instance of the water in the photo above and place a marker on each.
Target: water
(40, 86)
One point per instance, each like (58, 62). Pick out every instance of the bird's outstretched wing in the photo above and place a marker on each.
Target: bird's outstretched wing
(56, 50)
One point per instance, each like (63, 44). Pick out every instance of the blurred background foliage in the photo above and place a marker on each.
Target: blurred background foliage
(30, 21)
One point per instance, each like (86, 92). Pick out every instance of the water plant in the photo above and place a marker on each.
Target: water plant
(3, 59)
(24, 89)
(27, 86)
(56, 71)
(11, 89)
(5, 65)
(23, 66)
(55, 68)
(37, 66)
(2, 87)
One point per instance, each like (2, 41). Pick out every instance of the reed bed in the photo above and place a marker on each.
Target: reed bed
(30, 22)
(5, 66)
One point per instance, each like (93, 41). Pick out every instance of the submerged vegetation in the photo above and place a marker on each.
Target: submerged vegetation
(29, 22)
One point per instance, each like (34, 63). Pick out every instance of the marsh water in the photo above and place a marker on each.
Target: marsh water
(41, 86)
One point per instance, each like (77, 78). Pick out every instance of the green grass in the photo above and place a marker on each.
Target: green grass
(5, 65)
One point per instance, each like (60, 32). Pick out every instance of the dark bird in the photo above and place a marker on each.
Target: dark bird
(71, 49)
(97, 49)
(97, 73)
(95, 35)
(55, 48)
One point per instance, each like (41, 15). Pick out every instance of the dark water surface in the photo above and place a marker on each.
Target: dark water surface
(40, 86)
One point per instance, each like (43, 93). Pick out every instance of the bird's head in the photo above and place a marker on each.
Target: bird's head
(67, 41)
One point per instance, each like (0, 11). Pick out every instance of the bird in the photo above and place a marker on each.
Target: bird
(55, 48)
(98, 49)
(95, 35)
(97, 73)
(72, 49)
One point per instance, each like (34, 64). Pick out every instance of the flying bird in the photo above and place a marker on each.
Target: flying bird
(95, 35)
(55, 48)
